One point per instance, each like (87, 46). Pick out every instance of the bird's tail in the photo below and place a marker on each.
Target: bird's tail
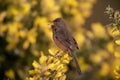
(73, 54)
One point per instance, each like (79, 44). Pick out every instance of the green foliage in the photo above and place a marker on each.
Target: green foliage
(114, 15)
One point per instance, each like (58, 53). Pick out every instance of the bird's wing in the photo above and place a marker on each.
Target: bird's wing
(72, 40)
(67, 40)
(63, 39)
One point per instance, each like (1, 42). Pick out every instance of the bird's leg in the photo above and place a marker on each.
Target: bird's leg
(59, 54)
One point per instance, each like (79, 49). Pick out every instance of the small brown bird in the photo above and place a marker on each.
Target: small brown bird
(64, 40)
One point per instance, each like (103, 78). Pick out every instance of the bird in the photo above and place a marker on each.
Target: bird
(64, 40)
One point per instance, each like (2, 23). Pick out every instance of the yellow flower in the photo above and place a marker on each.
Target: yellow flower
(46, 73)
(86, 9)
(74, 11)
(42, 59)
(72, 3)
(25, 8)
(13, 10)
(105, 69)
(35, 64)
(53, 51)
(31, 35)
(110, 47)
(14, 27)
(10, 74)
(26, 44)
(98, 30)
(47, 6)
(80, 39)
(117, 54)
(90, 34)
(115, 33)
(51, 66)
(22, 34)
(117, 72)
(66, 59)
(117, 41)
(95, 58)
(42, 23)
(58, 75)
(3, 28)
(78, 19)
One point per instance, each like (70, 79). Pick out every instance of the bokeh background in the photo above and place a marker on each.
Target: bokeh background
(25, 33)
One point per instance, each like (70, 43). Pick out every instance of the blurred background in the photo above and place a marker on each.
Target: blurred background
(25, 32)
